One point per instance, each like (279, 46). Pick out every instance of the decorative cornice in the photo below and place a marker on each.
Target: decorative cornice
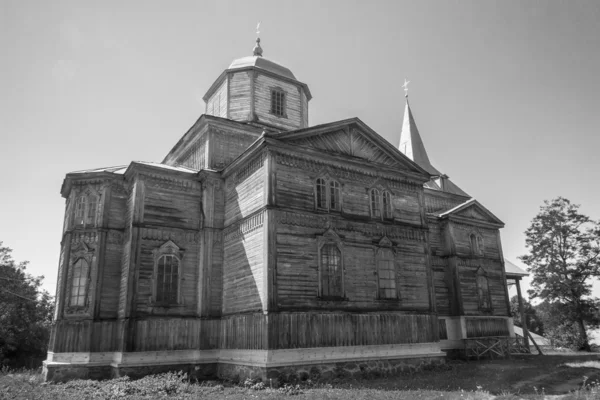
(368, 229)
(176, 236)
(87, 237)
(244, 226)
(348, 173)
(169, 183)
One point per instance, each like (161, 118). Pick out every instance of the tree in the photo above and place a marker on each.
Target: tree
(25, 314)
(534, 322)
(564, 257)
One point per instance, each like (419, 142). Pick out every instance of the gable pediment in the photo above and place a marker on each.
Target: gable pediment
(474, 211)
(351, 139)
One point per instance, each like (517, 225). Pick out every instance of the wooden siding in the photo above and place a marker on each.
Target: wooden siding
(171, 207)
(482, 327)
(298, 269)
(84, 336)
(227, 145)
(463, 245)
(195, 155)
(262, 102)
(442, 329)
(304, 109)
(117, 208)
(303, 330)
(467, 272)
(437, 201)
(188, 275)
(111, 276)
(296, 190)
(239, 95)
(217, 104)
(440, 284)
(245, 190)
(243, 267)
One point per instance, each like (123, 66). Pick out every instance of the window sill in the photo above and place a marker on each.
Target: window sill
(284, 116)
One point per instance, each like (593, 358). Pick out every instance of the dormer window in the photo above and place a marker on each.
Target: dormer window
(381, 204)
(328, 195)
(86, 209)
(278, 102)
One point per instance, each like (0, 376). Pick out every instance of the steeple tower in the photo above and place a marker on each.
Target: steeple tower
(411, 143)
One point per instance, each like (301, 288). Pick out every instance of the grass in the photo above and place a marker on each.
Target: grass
(527, 378)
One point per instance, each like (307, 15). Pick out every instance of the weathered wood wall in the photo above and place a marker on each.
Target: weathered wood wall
(295, 189)
(467, 271)
(262, 106)
(297, 265)
(239, 95)
(245, 190)
(481, 327)
(225, 145)
(248, 331)
(217, 104)
(243, 267)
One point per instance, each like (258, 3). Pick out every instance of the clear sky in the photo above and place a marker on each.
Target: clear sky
(505, 93)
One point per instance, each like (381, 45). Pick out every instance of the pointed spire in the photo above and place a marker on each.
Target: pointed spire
(411, 143)
(257, 51)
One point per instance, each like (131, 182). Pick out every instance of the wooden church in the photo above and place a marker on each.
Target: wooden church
(264, 247)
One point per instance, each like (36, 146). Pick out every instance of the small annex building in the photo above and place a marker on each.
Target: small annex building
(263, 247)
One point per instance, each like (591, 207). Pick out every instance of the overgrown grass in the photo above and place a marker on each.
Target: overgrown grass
(532, 378)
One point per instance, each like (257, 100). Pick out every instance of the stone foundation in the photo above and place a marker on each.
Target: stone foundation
(283, 365)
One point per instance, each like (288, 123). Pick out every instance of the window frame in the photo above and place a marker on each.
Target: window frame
(83, 216)
(483, 290)
(273, 106)
(330, 238)
(327, 185)
(170, 249)
(378, 258)
(80, 260)
(384, 210)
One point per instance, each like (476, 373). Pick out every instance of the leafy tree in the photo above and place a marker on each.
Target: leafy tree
(25, 313)
(561, 331)
(534, 322)
(564, 256)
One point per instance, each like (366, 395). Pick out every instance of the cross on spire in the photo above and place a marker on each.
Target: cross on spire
(257, 51)
(405, 86)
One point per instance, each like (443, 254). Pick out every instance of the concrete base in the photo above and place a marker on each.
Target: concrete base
(286, 365)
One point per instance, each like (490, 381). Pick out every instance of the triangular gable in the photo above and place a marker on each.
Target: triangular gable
(350, 138)
(473, 210)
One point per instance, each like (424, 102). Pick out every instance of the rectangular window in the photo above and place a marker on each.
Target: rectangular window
(80, 211)
(79, 283)
(167, 279)
(91, 211)
(331, 271)
(321, 194)
(278, 103)
(387, 274)
(334, 196)
(387, 205)
(375, 203)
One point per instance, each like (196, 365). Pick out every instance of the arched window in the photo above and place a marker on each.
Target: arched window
(86, 209)
(387, 274)
(328, 195)
(167, 279)
(79, 283)
(375, 203)
(483, 291)
(331, 271)
(321, 199)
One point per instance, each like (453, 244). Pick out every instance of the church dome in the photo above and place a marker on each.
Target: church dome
(262, 63)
